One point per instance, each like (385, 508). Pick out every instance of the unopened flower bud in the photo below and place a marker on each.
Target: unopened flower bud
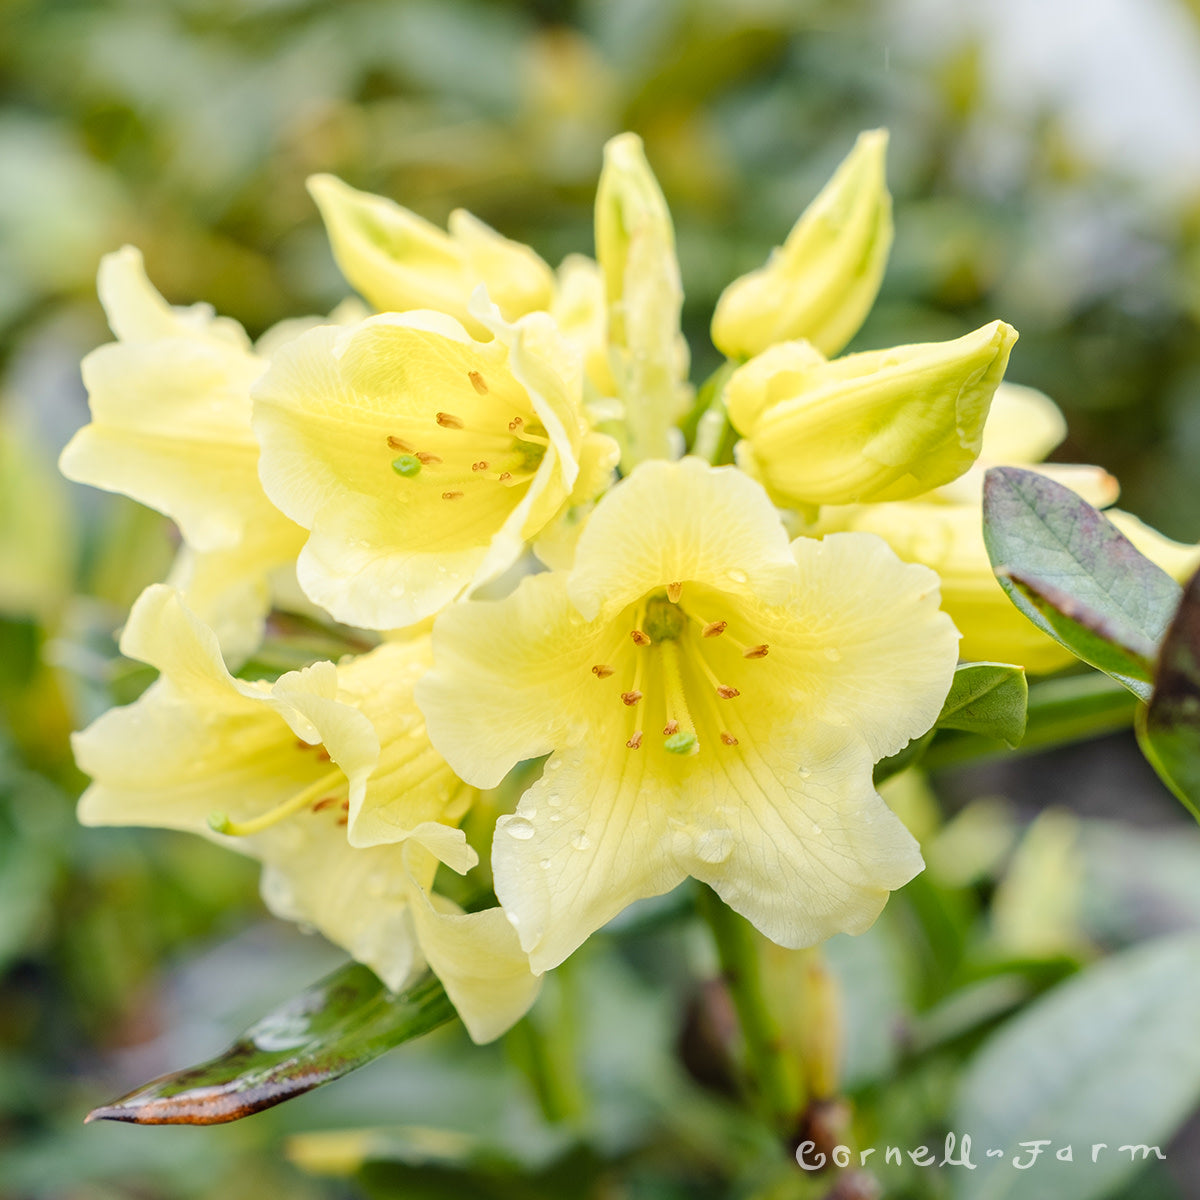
(820, 284)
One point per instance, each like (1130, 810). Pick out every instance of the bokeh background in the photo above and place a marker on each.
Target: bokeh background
(1045, 160)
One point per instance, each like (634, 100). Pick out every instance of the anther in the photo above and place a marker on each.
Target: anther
(670, 727)
(301, 744)
(639, 638)
(323, 755)
(726, 692)
(321, 805)
(452, 495)
(715, 628)
(425, 457)
(343, 820)
(756, 651)
(396, 444)
(601, 671)
(631, 698)
(674, 591)
(481, 465)
(728, 738)
(478, 382)
(407, 465)
(635, 742)
(504, 476)
(448, 420)
(516, 423)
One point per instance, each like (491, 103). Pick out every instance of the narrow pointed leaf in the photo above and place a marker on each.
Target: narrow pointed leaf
(987, 698)
(1169, 731)
(340, 1023)
(1075, 576)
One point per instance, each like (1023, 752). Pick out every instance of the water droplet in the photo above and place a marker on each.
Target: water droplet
(804, 772)
(714, 845)
(816, 830)
(736, 575)
(528, 814)
(833, 655)
(556, 816)
(545, 864)
(554, 764)
(519, 828)
(554, 799)
(581, 841)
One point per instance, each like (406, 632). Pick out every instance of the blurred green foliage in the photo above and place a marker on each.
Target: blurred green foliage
(188, 128)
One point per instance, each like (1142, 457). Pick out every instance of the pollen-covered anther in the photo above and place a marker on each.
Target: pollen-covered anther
(343, 820)
(715, 628)
(670, 727)
(756, 651)
(516, 423)
(601, 671)
(674, 591)
(452, 495)
(481, 465)
(395, 443)
(423, 456)
(448, 420)
(478, 382)
(728, 739)
(726, 692)
(635, 742)
(639, 638)
(321, 805)
(504, 476)
(631, 698)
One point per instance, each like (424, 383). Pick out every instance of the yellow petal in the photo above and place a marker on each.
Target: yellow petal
(1178, 559)
(670, 522)
(882, 425)
(821, 283)
(635, 247)
(579, 311)
(1023, 426)
(400, 261)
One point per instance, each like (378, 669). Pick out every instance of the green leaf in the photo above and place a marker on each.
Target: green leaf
(989, 699)
(1075, 576)
(1111, 1056)
(340, 1023)
(1169, 730)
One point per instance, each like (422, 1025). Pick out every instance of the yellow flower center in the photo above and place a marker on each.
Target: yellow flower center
(674, 649)
(491, 444)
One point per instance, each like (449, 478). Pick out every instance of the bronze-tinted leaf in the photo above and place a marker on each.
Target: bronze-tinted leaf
(340, 1023)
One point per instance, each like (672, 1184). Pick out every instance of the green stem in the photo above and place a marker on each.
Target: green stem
(712, 422)
(545, 1046)
(736, 940)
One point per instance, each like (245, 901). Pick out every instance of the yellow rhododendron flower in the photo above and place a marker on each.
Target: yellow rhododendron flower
(712, 698)
(400, 261)
(944, 530)
(882, 425)
(170, 402)
(648, 357)
(820, 284)
(421, 460)
(326, 776)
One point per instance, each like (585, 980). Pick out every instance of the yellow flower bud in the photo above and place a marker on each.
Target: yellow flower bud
(400, 261)
(820, 284)
(635, 247)
(883, 425)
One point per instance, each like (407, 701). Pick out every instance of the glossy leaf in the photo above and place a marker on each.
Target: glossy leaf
(340, 1023)
(1169, 730)
(1109, 1057)
(1070, 571)
(989, 699)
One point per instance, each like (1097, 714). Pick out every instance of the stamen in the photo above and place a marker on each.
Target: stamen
(323, 755)
(670, 727)
(481, 465)
(728, 738)
(396, 444)
(722, 689)
(683, 740)
(425, 457)
(323, 804)
(448, 420)
(407, 465)
(516, 423)
(726, 692)
(452, 495)
(639, 638)
(756, 651)
(635, 742)
(631, 698)
(601, 671)
(504, 476)
(478, 382)
(714, 629)
(219, 822)
(674, 591)
(343, 821)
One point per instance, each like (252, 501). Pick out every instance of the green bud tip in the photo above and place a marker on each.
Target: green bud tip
(683, 742)
(218, 822)
(407, 465)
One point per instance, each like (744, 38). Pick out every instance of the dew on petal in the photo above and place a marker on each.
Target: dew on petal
(736, 575)
(519, 828)
(833, 655)
(714, 845)
(581, 841)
